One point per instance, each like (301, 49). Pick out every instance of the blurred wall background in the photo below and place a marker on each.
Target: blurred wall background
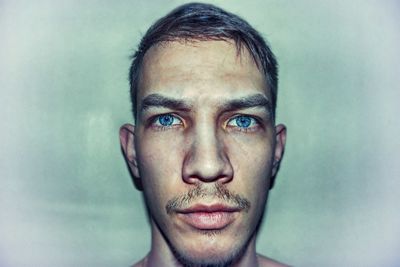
(66, 198)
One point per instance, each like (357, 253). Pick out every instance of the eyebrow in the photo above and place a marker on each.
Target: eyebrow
(158, 100)
(251, 101)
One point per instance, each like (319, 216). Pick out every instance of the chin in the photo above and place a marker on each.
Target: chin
(210, 260)
(211, 254)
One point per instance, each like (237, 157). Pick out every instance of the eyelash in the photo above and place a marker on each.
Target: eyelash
(253, 128)
(154, 120)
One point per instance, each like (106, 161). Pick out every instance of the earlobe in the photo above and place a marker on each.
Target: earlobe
(127, 139)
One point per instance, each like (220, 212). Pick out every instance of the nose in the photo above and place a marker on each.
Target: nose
(206, 159)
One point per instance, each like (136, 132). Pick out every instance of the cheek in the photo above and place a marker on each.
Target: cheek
(252, 161)
(160, 165)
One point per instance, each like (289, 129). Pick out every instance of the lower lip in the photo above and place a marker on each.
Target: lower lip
(208, 220)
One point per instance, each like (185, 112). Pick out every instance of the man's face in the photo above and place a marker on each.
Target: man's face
(205, 148)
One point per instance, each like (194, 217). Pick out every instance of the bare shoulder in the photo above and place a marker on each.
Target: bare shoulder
(140, 263)
(267, 262)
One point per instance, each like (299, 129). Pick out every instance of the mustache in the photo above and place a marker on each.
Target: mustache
(218, 192)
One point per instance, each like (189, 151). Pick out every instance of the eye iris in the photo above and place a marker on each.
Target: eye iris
(243, 121)
(165, 120)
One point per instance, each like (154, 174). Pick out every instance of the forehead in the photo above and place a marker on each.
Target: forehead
(201, 67)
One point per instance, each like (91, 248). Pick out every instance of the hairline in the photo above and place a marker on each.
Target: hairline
(239, 45)
(213, 23)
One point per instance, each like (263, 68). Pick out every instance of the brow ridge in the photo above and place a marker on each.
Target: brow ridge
(256, 100)
(158, 100)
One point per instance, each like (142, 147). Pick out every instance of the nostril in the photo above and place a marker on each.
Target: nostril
(206, 159)
(207, 170)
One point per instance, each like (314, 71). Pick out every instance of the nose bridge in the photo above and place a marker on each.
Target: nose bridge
(206, 157)
(206, 145)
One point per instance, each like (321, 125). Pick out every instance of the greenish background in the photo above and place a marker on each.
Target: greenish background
(66, 198)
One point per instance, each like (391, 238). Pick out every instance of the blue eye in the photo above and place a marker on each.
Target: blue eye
(242, 121)
(167, 120)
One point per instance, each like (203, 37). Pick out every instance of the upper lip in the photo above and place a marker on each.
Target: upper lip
(209, 208)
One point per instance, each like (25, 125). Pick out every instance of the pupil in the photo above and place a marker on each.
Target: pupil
(243, 122)
(165, 120)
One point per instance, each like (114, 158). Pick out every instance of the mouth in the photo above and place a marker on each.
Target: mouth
(209, 217)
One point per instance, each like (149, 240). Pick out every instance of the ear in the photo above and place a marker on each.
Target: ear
(127, 139)
(280, 141)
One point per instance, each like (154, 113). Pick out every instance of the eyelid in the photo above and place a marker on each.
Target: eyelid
(257, 124)
(153, 119)
(255, 118)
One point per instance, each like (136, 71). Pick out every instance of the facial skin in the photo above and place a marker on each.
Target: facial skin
(206, 150)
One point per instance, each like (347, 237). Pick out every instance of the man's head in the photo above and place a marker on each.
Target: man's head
(205, 145)
(203, 22)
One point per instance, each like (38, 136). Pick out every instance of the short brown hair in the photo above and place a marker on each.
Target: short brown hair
(202, 22)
